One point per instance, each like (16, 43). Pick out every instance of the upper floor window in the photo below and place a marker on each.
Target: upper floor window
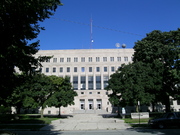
(104, 59)
(54, 69)
(68, 59)
(75, 69)
(105, 69)
(68, 69)
(61, 69)
(125, 58)
(47, 70)
(90, 59)
(90, 69)
(97, 59)
(54, 59)
(82, 59)
(61, 59)
(111, 58)
(97, 69)
(118, 58)
(75, 59)
(82, 69)
(48, 60)
(112, 69)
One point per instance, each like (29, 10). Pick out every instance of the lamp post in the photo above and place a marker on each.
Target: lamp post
(139, 110)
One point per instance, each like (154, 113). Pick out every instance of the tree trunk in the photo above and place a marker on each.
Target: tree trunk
(42, 110)
(167, 104)
(59, 111)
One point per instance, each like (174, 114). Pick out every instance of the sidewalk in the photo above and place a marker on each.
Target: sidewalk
(87, 122)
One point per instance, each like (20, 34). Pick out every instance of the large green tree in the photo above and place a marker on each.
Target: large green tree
(161, 52)
(130, 84)
(19, 24)
(64, 95)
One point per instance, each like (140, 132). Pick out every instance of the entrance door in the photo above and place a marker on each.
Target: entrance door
(99, 104)
(90, 104)
(82, 104)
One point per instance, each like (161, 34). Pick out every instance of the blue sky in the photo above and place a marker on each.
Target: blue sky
(114, 21)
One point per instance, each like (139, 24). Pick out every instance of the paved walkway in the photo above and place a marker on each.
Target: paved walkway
(87, 122)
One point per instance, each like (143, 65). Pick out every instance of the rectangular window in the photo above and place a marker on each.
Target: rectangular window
(82, 59)
(61, 69)
(54, 69)
(61, 59)
(75, 82)
(90, 59)
(68, 59)
(75, 59)
(90, 69)
(90, 83)
(104, 59)
(105, 81)
(97, 69)
(118, 58)
(105, 69)
(82, 69)
(111, 59)
(125, 58)
(47, 70)
(97, 59)
(83, 82)
(75, 69)
(112, 69)
(68, 69)
(54, 59)
(98, 82)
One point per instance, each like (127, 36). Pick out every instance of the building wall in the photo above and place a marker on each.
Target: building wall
(89, 71)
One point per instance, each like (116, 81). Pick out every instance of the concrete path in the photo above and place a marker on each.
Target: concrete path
(87, 122)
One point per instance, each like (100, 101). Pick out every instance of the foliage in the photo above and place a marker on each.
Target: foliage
(64, 95)
(19, 25)
(161, 52)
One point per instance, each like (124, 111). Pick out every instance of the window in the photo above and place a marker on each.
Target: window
(90, 92)
(75, 69)
(61, 59)
(61, 69)
(83, 82)
(104, 59)
(97, 59)
(47, 70)
(54, 59)
(75, 82)
(75, 59)
(105, 69)
(112, 69)
(90, 69)
(40, 70)
(125, 58)
(105, 81)
(97, 69)
(90, 82)
(118, 58)
(98, 82)
(111, 58)
(82, 69)
(68, 69)
(90, 59)
(82, 92)
(68, 59)
(82, 59)
(54, 69)
(98, 92)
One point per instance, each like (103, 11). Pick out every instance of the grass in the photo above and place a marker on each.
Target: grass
(33, 122)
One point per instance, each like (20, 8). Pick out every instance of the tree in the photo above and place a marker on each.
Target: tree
(161, 52)
(19, 24)
(130, 84)
(64, 95)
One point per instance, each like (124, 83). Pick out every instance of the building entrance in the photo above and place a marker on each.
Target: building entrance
(90, 101)
(82, 104)
(99, 104)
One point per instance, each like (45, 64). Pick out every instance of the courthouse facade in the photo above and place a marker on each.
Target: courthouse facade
(89, 71)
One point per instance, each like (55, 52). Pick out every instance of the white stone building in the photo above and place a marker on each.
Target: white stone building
(89, 71)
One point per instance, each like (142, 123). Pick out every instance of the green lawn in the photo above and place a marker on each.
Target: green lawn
(25, 121)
